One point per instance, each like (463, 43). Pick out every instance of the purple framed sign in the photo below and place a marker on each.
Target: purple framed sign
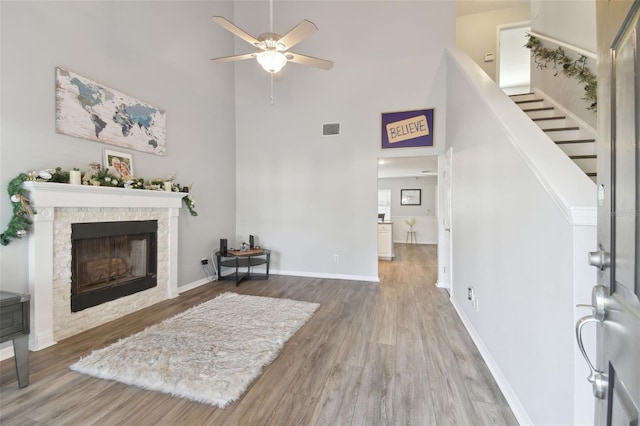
(407, 129)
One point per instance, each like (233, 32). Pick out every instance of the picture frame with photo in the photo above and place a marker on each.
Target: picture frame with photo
(410, 197)
(118, 164)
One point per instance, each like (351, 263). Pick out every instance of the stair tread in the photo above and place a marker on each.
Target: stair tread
(592, 174)
(576, 141)
(582, 157)
(521, 94)
(527, 101)
(560, 129)
(548, 108)
(558, 117)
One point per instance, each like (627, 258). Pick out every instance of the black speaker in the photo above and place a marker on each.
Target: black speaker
(251, 242)
(223, 246)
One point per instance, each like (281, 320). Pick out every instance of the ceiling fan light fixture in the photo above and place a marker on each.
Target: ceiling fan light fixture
(271, 60)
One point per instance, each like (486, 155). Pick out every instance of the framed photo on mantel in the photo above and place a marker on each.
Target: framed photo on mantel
(410, 197)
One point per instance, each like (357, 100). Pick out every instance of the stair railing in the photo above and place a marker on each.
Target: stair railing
(576, 49)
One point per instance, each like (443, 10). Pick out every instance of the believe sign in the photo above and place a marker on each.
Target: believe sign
(407, 129)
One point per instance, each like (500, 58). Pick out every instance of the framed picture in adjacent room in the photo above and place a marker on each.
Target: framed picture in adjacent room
(410, 197)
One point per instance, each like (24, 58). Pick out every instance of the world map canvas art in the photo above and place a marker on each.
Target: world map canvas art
(89, 110)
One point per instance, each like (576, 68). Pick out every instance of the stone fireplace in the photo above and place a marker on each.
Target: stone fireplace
(61, 206)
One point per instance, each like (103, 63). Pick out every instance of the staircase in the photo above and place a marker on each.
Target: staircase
(575, 139)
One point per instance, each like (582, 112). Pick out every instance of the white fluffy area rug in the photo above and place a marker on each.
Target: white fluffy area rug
(209, 353)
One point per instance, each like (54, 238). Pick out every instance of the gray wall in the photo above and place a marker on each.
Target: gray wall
(155, 51)
(476, 33)
(428, 196)
(297, 189)
(425, 227)
(572, 22)
(516, 247)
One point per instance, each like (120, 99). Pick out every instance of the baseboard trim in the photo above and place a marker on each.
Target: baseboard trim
(203, 281)
(193, 285)
(501, 380)
(6, 353)
(442, 284)
(327, 276)
(429, 243)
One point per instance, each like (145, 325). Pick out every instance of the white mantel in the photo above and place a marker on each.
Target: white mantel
(56, 199)
(47, 195)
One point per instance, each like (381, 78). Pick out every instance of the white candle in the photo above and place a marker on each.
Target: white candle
(75, 178)
(167, 186)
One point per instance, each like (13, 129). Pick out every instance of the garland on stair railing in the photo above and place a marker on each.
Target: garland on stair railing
(572, 68)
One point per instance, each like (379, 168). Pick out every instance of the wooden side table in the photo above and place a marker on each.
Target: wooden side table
(14, 325)
(236, 259)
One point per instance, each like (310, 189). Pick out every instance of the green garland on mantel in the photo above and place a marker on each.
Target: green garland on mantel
(572, 68)
(21, 223)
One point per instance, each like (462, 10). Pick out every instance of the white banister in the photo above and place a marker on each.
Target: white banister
(576, 49)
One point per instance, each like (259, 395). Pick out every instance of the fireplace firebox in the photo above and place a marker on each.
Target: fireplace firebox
(110, 260)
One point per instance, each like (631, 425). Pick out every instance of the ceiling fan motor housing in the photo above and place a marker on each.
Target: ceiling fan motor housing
(270, 41)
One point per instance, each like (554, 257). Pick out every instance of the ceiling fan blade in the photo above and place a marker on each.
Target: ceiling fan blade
(298, 33)
(235, 58)
(309, 60)
(227, 25)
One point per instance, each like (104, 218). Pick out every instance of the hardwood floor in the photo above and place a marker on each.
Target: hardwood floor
(393, 353)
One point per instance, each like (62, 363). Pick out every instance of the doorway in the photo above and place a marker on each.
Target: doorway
(513, 67)
(415, 222)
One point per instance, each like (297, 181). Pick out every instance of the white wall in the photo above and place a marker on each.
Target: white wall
(476, 33)
(425, 214)
(308, 197)
(573, 22)
(155, 51)
(513, 241)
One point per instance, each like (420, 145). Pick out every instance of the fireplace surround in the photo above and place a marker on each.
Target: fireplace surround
(58, 206)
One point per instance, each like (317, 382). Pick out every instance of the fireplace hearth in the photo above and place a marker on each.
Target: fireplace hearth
(111, 260)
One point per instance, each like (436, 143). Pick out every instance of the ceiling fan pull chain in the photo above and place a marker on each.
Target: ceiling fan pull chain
(271, 80)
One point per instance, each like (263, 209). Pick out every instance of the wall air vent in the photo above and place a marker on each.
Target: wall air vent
(330, 129)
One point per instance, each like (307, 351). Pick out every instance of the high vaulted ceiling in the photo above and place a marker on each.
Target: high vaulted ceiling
(468, 7)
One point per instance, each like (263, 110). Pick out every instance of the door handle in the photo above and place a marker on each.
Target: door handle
(598, 379)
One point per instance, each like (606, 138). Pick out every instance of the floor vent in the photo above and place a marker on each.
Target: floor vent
(330, 129)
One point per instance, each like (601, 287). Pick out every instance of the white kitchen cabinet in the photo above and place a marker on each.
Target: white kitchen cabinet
(385, 240)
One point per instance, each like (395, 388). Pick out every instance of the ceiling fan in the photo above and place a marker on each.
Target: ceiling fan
(273, 53)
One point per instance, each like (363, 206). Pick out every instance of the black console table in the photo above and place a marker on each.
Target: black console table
(237, 259)
(14, 325)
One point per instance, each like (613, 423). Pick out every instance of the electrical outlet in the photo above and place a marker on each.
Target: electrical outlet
(471, 294)
(204, 261)
(336, 258)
